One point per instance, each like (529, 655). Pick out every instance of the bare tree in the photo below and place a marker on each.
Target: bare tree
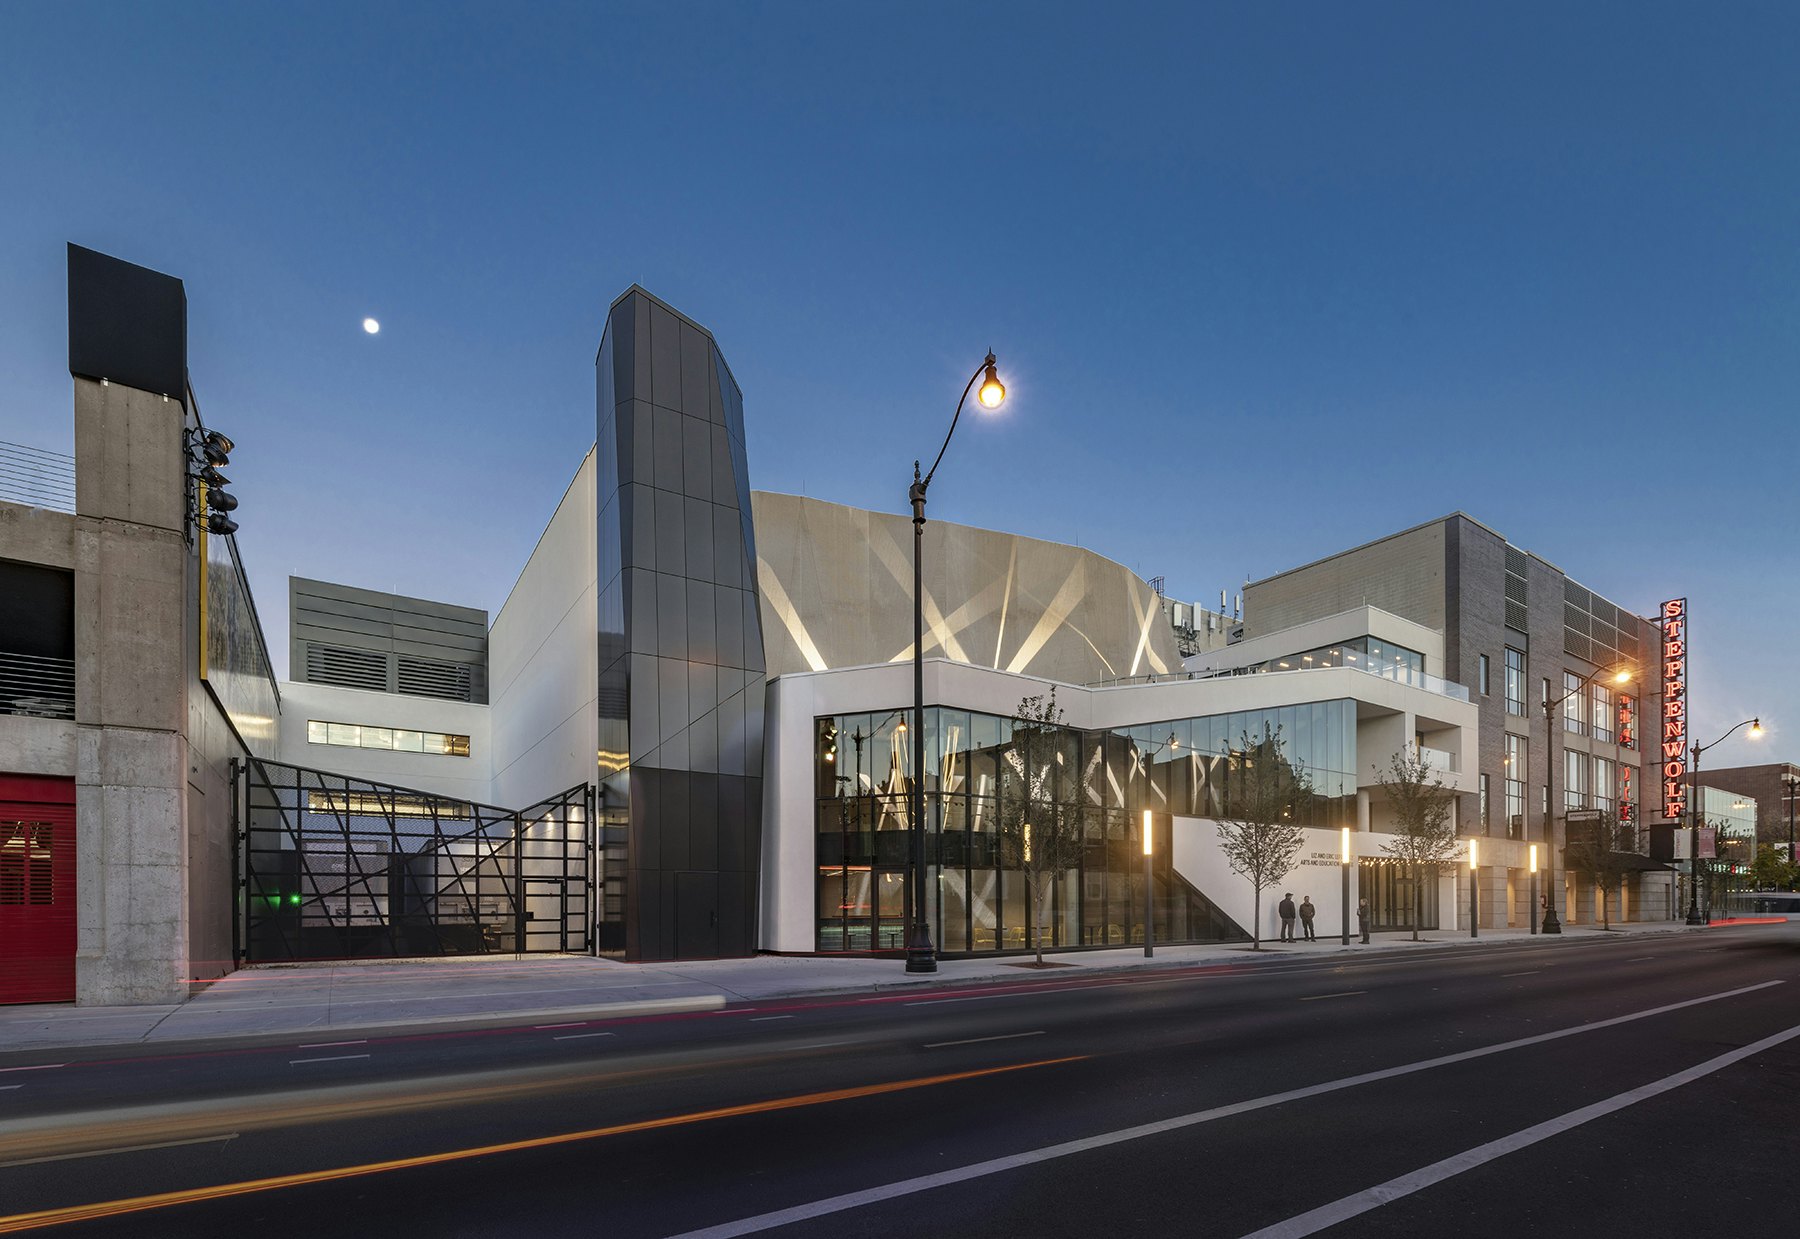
(1257, 832)
(1601, 850)
(1424, 833)
(1042, 818)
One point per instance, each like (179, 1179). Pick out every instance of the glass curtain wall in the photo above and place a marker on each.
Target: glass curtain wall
(1105, 779)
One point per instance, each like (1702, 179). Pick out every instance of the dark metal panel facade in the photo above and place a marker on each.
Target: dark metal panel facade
(127, 324)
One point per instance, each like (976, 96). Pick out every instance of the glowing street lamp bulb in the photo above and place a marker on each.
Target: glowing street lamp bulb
(1756, 729)
(1533, 862)
(993, 392)
(371, 326)
(1472, 855)
(1344, 855)
(1624, 677)
(1146, 832)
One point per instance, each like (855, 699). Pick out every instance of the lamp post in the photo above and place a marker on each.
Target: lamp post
(1149, 921)
(1344, 876)
(921, 956)
(1474, 891)
(1619, 673)
(1532, 868)
(1693, 913)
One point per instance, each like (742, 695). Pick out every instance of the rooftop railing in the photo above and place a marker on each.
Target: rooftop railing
(39, 687)
(36, 478)
(1398, 673)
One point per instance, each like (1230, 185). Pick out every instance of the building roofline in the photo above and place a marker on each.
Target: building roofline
(700, 327)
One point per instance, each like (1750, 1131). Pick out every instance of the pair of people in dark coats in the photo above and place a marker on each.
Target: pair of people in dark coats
(1287, 911)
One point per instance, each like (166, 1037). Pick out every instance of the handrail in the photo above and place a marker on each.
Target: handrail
(37, 478)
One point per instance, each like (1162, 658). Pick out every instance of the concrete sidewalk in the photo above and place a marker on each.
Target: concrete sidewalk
(333, 998)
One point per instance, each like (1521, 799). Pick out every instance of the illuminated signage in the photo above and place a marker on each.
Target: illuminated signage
(1627, 795)
(1627, 728)
(1674, 708)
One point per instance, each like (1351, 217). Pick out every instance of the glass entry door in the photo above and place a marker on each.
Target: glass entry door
(1392, 902)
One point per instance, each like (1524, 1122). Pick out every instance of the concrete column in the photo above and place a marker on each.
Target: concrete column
(1362, 810)
(130, 696)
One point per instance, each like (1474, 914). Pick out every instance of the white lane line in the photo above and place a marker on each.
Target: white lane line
(934, 1002)
(757, 1019)
(36, 1067)
(570, 1024)
(1529, 973)
(579, 1036)
(938, 1045)
(978, 1170)
(335, 1058)
(124, 1148)
(1349, 993)
(1640, 959)
(818, 1045)
(328, 1045)
(1324, 1216)
(7, 1088)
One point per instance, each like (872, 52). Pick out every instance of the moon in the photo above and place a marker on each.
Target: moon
(371, 326)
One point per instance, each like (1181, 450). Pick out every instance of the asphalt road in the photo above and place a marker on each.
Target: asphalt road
(1637, 1086)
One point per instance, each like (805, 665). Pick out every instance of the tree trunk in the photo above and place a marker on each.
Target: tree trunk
(1256, 920)
(1417, 900)
(1037, 920)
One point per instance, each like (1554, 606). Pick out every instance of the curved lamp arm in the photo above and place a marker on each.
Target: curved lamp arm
(1754, 724)
(920, 484)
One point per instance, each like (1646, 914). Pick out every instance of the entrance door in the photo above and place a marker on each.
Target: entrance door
(696, 915)
(37, 890)
(546, 914)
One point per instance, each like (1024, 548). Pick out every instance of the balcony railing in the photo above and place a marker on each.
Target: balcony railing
(36, 478)
(1399, 674)
(1439, 760)
(40, 687)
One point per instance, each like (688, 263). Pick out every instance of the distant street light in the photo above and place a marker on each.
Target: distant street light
(1693, 914)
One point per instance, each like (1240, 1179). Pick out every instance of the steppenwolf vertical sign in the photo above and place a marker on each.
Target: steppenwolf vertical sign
(1674, 711)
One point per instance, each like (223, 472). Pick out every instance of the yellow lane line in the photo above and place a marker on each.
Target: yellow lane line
(162, 1200)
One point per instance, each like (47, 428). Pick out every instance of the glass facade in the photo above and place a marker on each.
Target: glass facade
(1371, 654)
(1513, 786)
(1574, 705)
(394, 739)
(1183, 767)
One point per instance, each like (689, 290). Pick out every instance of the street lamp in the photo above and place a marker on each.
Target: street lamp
(1693, 912)
(1619, 673)
(1149, 948)
(1474, 891)
(921, 956)
(1344, 876)
(1532, 863)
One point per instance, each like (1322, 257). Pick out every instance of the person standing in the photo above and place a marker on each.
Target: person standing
(1307, 912)
(1286, 911)
(1362, 919)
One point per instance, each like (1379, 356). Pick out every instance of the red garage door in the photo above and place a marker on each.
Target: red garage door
(37, 889)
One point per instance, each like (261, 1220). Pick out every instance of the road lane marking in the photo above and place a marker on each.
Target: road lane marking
(818, 1045)
(1640, 959)
(329, 1045)
(757, 1019)
(123, 1148)
(570, 1024)
(579, 1036)
(934, 1002)
(161, 1200)
(938, 1045)
(977, 1170)
(1531, 972)
(7, 1088)
(1315, 1220)
(335, 1058)
(1349, 993)
(36, 1067)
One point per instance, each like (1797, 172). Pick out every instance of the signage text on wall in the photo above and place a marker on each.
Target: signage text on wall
(1674, 711)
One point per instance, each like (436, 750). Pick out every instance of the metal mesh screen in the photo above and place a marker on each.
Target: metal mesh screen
(342, 868)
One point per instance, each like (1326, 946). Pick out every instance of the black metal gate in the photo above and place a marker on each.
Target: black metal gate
(335, 867)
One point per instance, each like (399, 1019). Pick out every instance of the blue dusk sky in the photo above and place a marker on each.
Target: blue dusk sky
(1266, 280)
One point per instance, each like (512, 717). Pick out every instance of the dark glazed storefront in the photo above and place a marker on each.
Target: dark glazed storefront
(1184, 767)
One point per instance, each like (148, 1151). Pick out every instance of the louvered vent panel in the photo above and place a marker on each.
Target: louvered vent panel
(1577, 645)
(1515, 561)
(421, 677)
(1574, 617)
(1515, 589)
(346, 668)
(1604, 611)
(1628, 646)
(1576, 596)
(1604, 634)
(1517, 617)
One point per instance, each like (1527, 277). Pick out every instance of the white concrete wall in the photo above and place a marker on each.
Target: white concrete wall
(1324, 631)
(543, 673)
(466, 778)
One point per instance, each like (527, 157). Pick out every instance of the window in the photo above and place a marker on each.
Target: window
(1574, 714)
(1603, 713)
(1575, 782)
(1513, 786)
(1481, 671)
(1484, 803)
(1603, 784)
(1515, 681)
(394, 739)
